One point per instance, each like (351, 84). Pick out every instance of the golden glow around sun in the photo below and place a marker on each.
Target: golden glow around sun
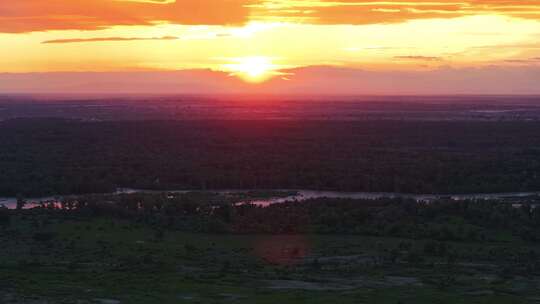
(252, 69)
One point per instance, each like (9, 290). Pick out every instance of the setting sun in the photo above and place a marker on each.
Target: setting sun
(294, 46)
(252, 69)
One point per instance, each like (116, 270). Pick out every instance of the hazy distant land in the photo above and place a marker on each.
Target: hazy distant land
(233, 107)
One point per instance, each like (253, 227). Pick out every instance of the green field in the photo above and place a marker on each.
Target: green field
(64, 259)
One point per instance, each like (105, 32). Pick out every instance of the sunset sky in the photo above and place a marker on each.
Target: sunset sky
(267, 45)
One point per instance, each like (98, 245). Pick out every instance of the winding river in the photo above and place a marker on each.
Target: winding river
(302, 195)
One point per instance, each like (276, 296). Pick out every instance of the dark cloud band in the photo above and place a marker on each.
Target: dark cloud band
(43, 15)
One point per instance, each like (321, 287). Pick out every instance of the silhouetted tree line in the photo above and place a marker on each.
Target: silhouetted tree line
(46, 156)
(204, 212)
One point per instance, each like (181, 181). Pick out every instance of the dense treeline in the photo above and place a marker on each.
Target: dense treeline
(205, 239)
(212, 213)
(40, 157)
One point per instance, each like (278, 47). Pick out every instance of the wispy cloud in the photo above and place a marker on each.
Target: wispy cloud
(105, 39)
(419, 58)
(534, 60)
(369, 12)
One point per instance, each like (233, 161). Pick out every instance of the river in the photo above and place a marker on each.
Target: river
(301, 195)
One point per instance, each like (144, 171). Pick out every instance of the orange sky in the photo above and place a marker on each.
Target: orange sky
(258, 40)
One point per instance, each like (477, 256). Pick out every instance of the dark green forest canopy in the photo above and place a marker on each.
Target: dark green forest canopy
(51, 156)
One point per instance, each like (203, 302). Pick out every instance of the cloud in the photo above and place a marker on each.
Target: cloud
(497, 80)
(42, 15)
(419, 58)
(369, 12)
(532, 46)
(105, 39)
(534, 60)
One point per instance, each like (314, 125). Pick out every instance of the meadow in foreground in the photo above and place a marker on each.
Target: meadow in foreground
(101, 249)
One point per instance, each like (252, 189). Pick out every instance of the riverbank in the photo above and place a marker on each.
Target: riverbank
(289, 195)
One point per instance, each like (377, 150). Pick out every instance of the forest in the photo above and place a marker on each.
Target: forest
(210, 212)
(41, 157)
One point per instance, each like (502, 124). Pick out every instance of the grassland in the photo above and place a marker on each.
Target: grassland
(59, 259)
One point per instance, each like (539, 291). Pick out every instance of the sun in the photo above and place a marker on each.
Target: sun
(252, 69)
